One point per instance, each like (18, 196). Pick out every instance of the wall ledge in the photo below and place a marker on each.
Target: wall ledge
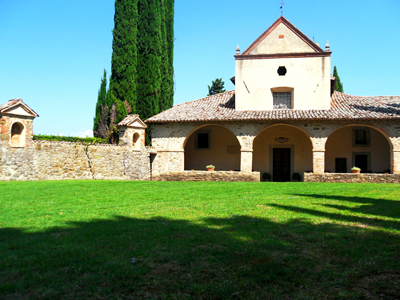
(352, 178)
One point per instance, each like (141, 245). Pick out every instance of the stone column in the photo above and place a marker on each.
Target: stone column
(319, 161)
(395, 161)
(246, 160)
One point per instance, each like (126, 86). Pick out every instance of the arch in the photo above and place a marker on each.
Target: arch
(362, 125)
(282, 150)
(17, 135)
(135, 138)
(359, 145)
(282, 124)
(211, 144)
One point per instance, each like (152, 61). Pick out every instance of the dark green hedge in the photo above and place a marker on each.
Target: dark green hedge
(87, 140)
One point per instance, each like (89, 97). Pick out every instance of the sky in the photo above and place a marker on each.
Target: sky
(53, 52)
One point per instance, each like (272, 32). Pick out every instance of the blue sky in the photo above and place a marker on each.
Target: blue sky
(53, 52)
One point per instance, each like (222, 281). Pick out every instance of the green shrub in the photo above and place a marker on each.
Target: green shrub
(266, 176)
(88, 140)
(296, 176)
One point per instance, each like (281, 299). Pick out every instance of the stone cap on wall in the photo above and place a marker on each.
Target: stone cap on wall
(133, 121)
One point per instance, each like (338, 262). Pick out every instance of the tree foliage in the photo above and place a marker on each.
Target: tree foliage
(216, 87)
(142, 61)
(101, 100)
(338, 84)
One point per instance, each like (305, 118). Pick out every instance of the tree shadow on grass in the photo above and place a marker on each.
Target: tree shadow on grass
(370, 206)
(221, 258)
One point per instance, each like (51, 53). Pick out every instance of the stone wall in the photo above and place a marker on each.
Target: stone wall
(352, 178)
(48, 160)
(209, 176)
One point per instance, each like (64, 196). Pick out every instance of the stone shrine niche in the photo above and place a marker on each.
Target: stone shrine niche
(16, 124)
(132, 132)
(17, 135)
(135, 140)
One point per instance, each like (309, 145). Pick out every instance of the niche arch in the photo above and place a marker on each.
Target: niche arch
(17, 135)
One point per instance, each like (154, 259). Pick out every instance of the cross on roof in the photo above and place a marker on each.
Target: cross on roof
(281, 7)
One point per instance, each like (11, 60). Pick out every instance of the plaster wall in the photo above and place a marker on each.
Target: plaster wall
(308, 78)
(282, 40)
(224, 151)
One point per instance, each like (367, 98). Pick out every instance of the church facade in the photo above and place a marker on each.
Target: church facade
(282, 118)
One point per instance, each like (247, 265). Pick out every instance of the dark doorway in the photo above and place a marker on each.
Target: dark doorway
(361, 161)
(340, 165)
(281, 164)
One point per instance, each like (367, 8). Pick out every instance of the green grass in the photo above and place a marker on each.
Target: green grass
(199, 240)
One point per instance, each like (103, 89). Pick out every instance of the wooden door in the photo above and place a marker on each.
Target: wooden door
(281, 164)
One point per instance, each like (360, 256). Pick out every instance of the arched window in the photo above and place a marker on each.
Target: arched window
(17, 135)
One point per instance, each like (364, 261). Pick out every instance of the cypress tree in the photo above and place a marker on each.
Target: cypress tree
(338, 84)
(142, 60)
(149, 60)
(124, 56)
(167, 71)
(101, 100)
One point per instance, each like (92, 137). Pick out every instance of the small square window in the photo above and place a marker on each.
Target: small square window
(202, 140)
(361, 137)
(282, 100)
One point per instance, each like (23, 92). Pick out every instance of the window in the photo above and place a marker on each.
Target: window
(361, 137)
(282, 100)
(282, 71)
(203, 140)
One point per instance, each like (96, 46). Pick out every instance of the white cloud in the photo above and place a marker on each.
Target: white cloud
(86, 133)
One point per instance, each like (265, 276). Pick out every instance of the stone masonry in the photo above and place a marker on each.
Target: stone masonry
(49, 160)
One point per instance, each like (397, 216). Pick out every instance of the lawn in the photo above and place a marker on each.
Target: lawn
(199, 240)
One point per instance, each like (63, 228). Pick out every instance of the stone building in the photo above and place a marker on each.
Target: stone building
(282, 118)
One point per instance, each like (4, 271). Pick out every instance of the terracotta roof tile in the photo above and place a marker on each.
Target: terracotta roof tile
(221, 107)
(13, 102)
(128, 119)
(8, 104)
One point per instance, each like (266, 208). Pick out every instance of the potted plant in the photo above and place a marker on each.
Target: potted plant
(210, 167)
(266, 176)
(355, 170)
(296, 177)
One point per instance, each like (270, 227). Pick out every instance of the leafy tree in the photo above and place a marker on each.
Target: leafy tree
(338, 85)
(216, 87)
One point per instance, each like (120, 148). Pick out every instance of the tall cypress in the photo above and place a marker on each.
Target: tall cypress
(338, 84)
(149, 58)
(142, 72)
(167, 71)
(124, 56)
(101, 100)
